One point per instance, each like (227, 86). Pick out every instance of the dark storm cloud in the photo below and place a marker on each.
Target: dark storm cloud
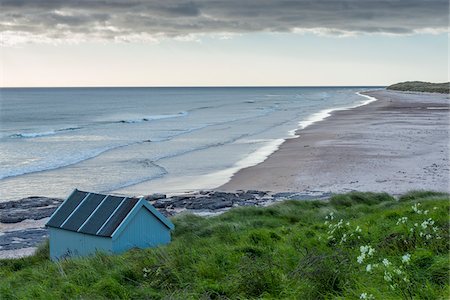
(125, 20)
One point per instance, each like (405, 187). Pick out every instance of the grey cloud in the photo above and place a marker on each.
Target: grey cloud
(120, 19)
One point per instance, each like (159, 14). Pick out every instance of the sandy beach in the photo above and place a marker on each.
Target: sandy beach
(396, 144)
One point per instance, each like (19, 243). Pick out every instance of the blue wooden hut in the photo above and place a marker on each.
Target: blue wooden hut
(88, 222)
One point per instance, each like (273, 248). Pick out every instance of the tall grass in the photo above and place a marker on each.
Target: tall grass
(292, 250)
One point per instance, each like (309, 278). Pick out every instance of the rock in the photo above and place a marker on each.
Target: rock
(12, 240)
(222, 204)
(155, 196)
(28, 208)
(258, 193)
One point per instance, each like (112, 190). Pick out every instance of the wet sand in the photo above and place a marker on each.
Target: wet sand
(396, 144)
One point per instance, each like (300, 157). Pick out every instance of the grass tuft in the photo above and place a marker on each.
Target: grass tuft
(420, 194)
(355, 198)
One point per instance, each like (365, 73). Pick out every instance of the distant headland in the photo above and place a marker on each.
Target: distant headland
(421, 86)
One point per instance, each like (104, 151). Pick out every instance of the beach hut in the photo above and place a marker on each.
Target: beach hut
(88, 222)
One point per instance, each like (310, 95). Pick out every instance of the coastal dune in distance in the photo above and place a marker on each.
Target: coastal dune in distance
(396, 144)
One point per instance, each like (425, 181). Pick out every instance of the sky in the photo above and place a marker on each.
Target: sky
(57, 43)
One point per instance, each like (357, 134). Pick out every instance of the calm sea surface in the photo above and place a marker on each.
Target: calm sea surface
(145, 140)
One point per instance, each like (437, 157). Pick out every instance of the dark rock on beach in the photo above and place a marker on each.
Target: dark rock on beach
(217, 201)
(34, 208)
(18, 239)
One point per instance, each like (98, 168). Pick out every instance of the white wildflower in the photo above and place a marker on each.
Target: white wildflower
(428, 236)
(425, 212)
(386, 262)
(366, 296)
(358, 229)
(416, 209)
(402, 220)
(368, 268)
(435, 208)
(360, 258)
(387, 276)
(406, 258)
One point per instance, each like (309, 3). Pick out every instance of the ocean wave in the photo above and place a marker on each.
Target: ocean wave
(325, 113)
(32, 134)
(221, 143)
(58, 164)
(28, 135)
(154, 117)
(97, 152)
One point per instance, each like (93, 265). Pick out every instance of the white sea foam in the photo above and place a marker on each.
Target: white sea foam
(33, 134)
(42, 134)
(325, 113)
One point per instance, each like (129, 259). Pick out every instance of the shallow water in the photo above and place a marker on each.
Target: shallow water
(146, 140)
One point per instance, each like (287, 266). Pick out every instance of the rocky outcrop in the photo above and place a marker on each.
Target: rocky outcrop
(216, 201)
(34, 208)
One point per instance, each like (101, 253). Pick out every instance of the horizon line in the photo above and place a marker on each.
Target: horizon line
(190, 86)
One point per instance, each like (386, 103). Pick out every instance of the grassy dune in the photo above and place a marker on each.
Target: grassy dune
(420, 86)
(355, 246)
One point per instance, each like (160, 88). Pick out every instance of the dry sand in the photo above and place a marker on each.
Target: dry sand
(396, 144)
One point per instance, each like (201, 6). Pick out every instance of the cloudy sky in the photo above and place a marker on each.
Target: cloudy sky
(223, 42)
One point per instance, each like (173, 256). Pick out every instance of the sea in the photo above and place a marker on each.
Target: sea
(138, 141)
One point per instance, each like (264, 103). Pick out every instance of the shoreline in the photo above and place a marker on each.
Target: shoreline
(332, 155)
(217, 179)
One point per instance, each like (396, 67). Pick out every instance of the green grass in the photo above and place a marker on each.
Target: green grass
(292, 250)
(420, 86)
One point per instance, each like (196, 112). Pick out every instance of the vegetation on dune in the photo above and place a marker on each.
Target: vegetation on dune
(420, 86)
(355, 246)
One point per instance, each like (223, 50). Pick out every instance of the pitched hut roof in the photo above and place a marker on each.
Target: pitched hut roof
(98, 214)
